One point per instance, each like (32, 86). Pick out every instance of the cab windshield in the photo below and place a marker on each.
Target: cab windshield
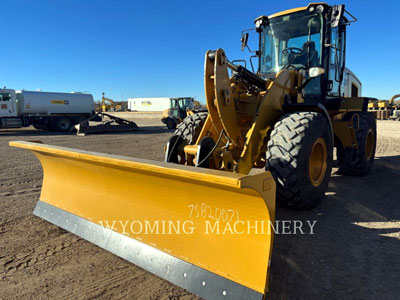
(186, 102)
(292, 40)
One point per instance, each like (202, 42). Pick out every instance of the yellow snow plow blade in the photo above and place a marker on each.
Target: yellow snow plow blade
(204, 230)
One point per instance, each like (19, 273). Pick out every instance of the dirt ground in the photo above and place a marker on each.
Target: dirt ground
(354, 253)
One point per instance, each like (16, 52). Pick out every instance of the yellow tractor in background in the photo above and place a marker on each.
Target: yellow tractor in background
(284, 119)
(181, 108)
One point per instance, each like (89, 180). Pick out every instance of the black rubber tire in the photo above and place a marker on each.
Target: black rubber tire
(61, 124)
(79, 120)
(36, 126)
(353, 162)
(171, 123)
(288, 153)
(41, 126)
(189, 129)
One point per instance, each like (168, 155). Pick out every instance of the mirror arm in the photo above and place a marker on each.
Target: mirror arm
(300, 89)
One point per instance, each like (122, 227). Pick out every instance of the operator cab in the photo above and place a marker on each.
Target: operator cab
(7, 103)
(180, 105)
(305, 38)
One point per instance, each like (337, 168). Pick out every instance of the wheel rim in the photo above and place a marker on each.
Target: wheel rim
(318, 162)
(369, 145)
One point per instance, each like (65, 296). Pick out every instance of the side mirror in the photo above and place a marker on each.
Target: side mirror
(244, 39)
(315, 72)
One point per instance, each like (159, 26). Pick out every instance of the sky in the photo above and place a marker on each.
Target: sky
(156, 48)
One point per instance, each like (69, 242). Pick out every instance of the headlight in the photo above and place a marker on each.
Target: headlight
(311, 8)
(320, 9)
(258, 23)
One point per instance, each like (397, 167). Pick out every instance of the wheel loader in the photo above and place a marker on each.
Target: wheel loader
(284, 119)
(182, 107)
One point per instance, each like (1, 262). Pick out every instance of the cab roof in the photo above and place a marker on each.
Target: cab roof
(293, 10)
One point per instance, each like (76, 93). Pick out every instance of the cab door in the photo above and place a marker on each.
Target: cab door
(7, 103)
(337, 52)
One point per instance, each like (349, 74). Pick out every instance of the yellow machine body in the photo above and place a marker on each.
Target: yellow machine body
(218, 218)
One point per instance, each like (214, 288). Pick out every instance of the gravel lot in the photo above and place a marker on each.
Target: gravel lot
(354, 253)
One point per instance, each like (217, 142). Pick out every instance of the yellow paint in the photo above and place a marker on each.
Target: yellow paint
(268, 114)
(383, 104)
(286, 12)
(317, 163)
(101, 187)
(224, 101)
(57, 101)
(345, 133)
(293, 10)
(369, 144)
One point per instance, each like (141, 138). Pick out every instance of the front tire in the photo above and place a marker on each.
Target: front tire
(299, 156)
(171, 124)
(186, 133)
(191, 126)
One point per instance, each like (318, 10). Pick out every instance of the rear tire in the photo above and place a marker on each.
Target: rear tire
(62, 124)
(299, 156)
(358, 162)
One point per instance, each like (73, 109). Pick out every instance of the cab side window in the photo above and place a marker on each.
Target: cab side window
(336, 60)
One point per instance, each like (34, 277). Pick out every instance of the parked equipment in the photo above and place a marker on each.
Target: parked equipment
(384, 109)
(396, 108)
(109, 123)
(111, 105)
(43, 110)
(287, 117)
(180, 109)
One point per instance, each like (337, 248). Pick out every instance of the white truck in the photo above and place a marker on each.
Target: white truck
(44, 110)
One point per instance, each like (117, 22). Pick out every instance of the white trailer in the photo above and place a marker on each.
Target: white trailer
(149, 104)
(44, 110)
